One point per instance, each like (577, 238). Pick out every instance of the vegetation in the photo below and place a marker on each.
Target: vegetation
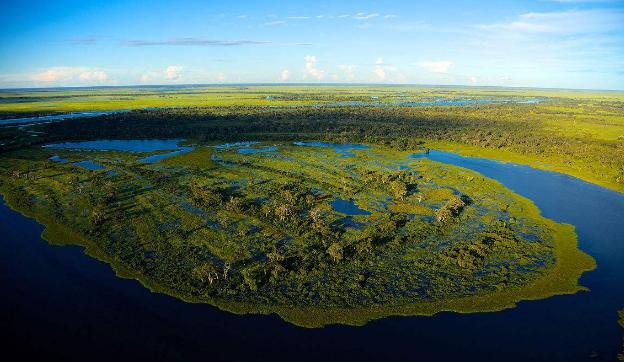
(577, 133)
(256, 233)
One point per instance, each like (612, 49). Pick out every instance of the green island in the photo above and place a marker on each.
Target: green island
(316, 235)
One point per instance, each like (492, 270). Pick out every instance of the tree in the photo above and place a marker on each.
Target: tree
(399, 189)
(206, 272)
(335, 250)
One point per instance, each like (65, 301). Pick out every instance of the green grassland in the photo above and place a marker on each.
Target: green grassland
(257, 233)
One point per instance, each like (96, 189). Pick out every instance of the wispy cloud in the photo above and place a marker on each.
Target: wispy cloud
(435, 67)
(242, 16)
(194, 42)
(343, 16)
(90, 40)
(279, 22)
(365, 17)
(298, 17)
(565, 22)
(390, 16)
(348, 69)
(296, 44)
(365, 26)
(271, 16)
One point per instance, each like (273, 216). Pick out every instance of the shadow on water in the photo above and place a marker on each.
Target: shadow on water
(62, 303)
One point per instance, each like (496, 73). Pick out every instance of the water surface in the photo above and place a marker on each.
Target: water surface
(347, 207)
(121, 145)
(60, 302)
(57, 117)
(90, 165)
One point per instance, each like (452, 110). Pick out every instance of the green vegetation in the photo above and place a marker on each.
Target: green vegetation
(573, 132)
(256, 233)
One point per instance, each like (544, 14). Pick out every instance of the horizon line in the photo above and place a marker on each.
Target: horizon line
(303, 84)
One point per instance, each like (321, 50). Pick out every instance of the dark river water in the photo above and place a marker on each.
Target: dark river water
(58, 302)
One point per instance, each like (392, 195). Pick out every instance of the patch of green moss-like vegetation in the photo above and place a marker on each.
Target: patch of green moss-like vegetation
(257, 232)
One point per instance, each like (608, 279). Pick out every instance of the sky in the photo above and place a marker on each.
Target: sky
(533, 43)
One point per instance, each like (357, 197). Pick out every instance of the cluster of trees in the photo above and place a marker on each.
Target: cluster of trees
(518, 127)
(451, 208)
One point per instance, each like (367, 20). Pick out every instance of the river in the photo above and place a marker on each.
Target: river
(59, 302)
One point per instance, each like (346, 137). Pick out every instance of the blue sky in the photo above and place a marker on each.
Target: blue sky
(537, 43)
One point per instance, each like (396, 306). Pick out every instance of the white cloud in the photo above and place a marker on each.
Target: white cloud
(436, 67)
(271, 16)
(310, 69)
(349, 69)
(365, 17)
(506, 77)
(400, 78)
(52, 75)
(390, 16)
(284, 76)
(343, 16)
(149, 76)
(379, 70)
(242, 16)
(220, 77)
(473, 80)
(172, 72)
(93, 76)
(365, 26)
(71, 74)
(279, 22)
(299, 17)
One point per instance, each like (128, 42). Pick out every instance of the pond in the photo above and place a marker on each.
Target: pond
(121, 145)
(46, 286)
(129, 146)
(338, 147)
(347, 207)
(57, 117)
(89, 165)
